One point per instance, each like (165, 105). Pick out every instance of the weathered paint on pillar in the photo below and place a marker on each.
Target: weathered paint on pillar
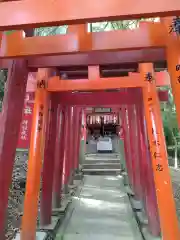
(36, 151)
(66, 169)
(133, 148)
(77, 139)
(137, 162)
(79, 135)
(74, 136)
(49, 162)
(59, 154)
(147, 179)
(82, 149)
(125, 123)
(163, 186)
(9, 131)
(143, 152)
(71, 146)
(121, 141)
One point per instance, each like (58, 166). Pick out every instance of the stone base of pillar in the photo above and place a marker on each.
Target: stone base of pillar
(71, 178)
(62, 209)
(65, 189)
(142, 218)
(136, 204)
(78, 176)
(57, 202)
(125, 178)
(122, 156)
(129, 191)
(147, 235)
(82, 152)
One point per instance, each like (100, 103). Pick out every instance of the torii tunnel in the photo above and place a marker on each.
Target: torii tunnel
(122, 70)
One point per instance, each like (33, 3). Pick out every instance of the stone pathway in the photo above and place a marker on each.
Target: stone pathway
(102, 211)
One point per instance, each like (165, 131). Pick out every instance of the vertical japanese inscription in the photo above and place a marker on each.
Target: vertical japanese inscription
(149, 77)
(41, 84)
(155, 142)
(178, 71)
(40, 118)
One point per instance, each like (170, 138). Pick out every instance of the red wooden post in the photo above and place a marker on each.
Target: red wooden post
(71, 145)
(49, 161)
(127, 143)
(78, 139)
(162, 179)
(76, 135)
(73, 141)
(131, 149)
(150, 201)
(137, 155)
(59, 154)
(66, 170)
(82, 148)
(142, 154)
(10, 125)
(36, 156)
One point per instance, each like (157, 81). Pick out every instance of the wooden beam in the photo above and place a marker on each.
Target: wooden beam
(97, 98)
(104, 98)
(97, 58)
(94, 58)
(50, 13)
(149, 35)
(55, 84)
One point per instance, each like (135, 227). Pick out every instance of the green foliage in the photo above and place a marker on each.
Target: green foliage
(49, 31)
(3, 77)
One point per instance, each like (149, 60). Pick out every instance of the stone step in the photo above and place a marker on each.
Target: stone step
(101, 171)
(102, 161)
(103, 156)
(102, 165)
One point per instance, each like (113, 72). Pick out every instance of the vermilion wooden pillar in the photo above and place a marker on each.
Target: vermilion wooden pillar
(163, 186)
(138, 160)
(66, 169)
(147, 180)
(10, 125)
(120, 133)
(78, 138)
(71, 145)
(49, 162)
(79, 135)
(83, 137)
(132, 149)
(36, 151)
(125, 124)
(59, 155)
(74, 137)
